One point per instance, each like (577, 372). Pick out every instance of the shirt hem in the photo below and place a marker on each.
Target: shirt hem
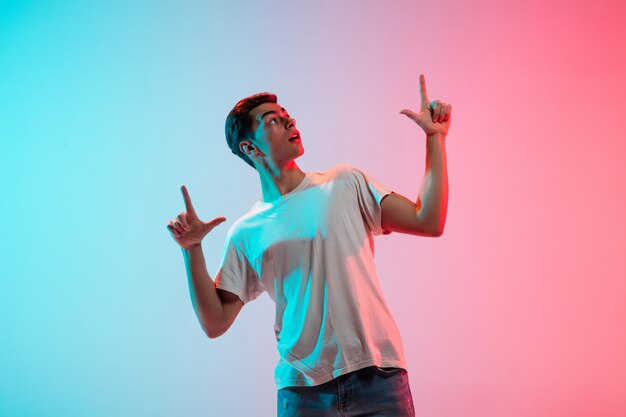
(233, 290)
(339, 372)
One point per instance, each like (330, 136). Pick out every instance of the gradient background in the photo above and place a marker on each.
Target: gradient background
(107, 107)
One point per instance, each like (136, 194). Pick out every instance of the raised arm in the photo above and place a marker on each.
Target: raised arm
(216, 309)
(426, 216)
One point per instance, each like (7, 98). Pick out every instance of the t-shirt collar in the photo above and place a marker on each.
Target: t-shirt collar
(266, 204)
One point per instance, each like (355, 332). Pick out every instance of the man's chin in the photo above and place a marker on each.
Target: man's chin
(300, 151)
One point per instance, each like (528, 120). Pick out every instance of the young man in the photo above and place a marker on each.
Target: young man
(309, 244)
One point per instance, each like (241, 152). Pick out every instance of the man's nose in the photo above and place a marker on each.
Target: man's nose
(291, 122)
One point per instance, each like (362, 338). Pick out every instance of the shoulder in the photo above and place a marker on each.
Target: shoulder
(345, 171)
(345, 174)
(351, 174)
(238, 231)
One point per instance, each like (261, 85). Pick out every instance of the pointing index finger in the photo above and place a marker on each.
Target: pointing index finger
(423, 93)
(187, 199)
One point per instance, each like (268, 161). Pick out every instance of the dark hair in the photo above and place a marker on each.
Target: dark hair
(239, 123)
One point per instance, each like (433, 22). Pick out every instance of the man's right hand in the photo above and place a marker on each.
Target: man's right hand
(187, 229)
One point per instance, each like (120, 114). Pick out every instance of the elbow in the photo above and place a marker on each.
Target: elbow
(432, 230)
(432, 233)
(439, 230)
(214, 333)
(429, 224)
(437, 233)
(217, 329)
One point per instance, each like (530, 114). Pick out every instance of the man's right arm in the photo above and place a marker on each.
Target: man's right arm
(216, 309)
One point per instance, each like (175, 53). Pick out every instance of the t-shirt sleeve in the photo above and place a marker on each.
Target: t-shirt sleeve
(370, 194)
(235, 274)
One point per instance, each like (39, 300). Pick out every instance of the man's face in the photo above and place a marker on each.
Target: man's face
(275, 135)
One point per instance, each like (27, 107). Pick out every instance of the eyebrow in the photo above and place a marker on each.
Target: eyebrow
(270, 112)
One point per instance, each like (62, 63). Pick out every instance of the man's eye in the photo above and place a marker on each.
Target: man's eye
(272, 120)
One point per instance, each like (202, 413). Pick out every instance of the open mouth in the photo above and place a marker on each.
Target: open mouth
(294, 137)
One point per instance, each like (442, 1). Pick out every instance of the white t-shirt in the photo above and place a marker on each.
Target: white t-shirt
(312, 250)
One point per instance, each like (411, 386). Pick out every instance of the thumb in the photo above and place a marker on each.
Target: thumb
(411, 115)
(208, 226)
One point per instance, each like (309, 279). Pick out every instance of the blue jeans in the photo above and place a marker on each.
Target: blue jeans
(371, 392)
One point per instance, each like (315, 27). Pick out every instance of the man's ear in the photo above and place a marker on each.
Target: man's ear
(246, 147)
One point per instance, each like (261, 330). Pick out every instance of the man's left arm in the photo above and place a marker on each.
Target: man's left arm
(426, 216)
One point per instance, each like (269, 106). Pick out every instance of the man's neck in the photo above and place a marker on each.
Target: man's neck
(276, 182)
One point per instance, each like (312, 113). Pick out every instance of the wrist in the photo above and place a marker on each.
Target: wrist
(192, 248)
(436, 136)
